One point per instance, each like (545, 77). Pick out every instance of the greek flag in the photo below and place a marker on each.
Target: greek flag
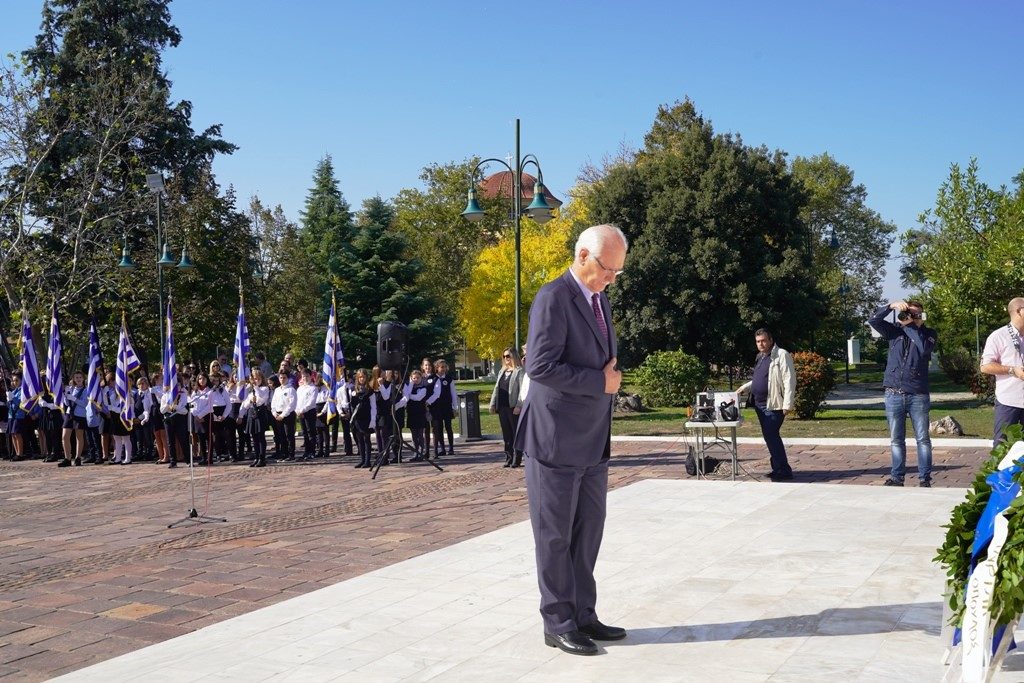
(241, 347)
(92, 382)
(31, 385)
(54, 364)
(127, 362)
(334, 360)
(170, 383)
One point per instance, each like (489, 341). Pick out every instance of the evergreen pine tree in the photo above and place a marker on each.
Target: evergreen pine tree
(380, 284)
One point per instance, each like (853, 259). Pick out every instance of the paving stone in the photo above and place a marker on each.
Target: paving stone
(292, 529)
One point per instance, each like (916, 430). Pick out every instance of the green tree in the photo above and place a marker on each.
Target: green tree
(381, 284)
(447, 244)
(965, 255)
(835, 202)
(95, 111)
(326, 227)
(717, 244)
(284, 306)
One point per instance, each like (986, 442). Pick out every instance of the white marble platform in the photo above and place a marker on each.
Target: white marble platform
(716, 581)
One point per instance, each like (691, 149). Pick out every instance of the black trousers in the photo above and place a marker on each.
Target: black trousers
(419, 443)
(287, 435)
(443, 424)
(143, 435)
(309, 433)
(176, 429)
(508, 420)
(362, 439)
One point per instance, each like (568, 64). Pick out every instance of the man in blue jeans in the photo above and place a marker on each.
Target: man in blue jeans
(911, 344)
(774, 390)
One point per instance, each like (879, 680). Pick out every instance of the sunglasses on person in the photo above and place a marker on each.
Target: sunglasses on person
(507, 355)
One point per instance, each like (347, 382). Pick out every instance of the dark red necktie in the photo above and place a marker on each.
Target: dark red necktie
(599, 314)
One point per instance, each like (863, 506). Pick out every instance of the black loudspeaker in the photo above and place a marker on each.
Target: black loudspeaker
(392, 345)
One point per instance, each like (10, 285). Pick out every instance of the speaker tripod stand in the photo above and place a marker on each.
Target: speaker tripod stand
(393, 440)
(193, 513)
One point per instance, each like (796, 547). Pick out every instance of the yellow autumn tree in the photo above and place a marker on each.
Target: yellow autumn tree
(487, 312)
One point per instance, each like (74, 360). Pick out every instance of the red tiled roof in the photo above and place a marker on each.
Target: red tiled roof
(500, 184)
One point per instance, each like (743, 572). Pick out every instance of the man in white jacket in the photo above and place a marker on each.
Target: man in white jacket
(774, 390)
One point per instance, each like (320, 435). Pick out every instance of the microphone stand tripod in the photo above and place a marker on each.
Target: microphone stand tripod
(395, 434)
(193, 514)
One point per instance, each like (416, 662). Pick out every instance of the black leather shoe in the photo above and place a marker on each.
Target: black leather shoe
(598, 631)
(781, 476)
(573, 642)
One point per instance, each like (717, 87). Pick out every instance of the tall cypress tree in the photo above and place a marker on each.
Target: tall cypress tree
(326, 226)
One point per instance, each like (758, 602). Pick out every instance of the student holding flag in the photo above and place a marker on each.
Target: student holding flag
(121, 402)
(172, 403)
(93, 419)
(334, 379)
(75, 404)
(24, 399)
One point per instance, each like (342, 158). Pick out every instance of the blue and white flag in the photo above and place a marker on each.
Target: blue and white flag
(127, 362)
(54, 361)
(334, 361)
(241, 348)
(170, 378)
(92, 381)
(31, 385)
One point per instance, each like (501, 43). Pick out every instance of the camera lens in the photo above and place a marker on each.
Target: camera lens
(904, 316)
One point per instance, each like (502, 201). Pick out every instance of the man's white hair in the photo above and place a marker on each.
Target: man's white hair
(595, 237)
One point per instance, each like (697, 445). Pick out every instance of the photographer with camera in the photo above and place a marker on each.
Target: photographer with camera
(774, 391)
(1003, 358)
(911, 344)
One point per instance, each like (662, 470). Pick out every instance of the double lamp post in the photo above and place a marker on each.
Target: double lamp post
(155, 183)
(539, 210)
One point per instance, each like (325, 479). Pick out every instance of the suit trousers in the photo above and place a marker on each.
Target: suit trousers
(567, 511)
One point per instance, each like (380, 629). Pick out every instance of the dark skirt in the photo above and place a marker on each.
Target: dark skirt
(156, 419)
(257, 420)
(117, 427)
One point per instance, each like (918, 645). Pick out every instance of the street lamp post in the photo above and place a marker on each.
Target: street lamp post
(833, 245)
(844, 289)
(539, 210)
(155, 183)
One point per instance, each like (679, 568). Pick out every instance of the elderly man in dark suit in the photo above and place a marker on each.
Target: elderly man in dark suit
(565, 432)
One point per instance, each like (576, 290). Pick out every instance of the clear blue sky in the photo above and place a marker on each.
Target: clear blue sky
(896, 90)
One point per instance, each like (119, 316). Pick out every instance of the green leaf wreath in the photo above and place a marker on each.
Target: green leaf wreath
(955, 553)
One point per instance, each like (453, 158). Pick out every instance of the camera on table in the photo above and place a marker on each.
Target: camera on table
(908, 315)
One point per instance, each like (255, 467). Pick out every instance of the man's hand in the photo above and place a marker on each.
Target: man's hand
(899, 306)
(612, 377)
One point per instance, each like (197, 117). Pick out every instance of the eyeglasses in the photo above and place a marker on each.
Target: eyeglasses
(507, 356)
(615, 273)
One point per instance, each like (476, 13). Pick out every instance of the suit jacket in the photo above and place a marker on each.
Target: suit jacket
(514, 383)
(566, 418)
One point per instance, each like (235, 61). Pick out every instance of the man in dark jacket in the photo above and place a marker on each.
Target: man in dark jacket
(906, 384)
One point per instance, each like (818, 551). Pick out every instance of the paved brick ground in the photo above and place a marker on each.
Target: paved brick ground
(90, 569)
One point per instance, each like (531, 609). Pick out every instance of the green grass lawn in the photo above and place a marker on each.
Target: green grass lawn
(975, 418)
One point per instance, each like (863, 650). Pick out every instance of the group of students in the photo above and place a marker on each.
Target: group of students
(223, 419)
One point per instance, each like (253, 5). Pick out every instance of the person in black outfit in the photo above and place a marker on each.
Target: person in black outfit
(360, 417)
(427, 369)
(383, 400)
(416, 408)
(505, 401)
(443, 405)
